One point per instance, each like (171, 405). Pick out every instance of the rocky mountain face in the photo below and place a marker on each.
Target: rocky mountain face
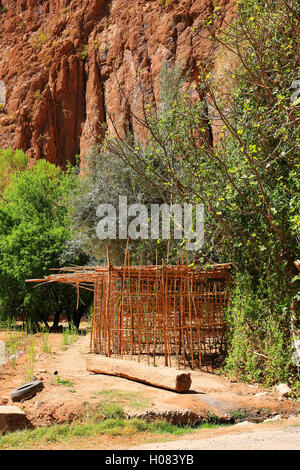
(66, 65)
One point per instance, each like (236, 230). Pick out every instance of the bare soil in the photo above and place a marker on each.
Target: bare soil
(279, 435)
(62, 402)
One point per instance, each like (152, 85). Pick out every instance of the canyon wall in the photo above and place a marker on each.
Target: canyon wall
(69, 64)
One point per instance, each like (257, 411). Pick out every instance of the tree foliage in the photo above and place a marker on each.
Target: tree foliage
(236, 150)
(248, 178)
(34, 228)
(108, 179)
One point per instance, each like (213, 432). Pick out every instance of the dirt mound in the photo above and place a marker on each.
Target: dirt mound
(69, 388)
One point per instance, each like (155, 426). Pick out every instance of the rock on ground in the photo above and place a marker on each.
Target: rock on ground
(12, 419)
(283, 390)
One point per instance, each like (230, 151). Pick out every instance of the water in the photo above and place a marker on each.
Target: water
(2, 354)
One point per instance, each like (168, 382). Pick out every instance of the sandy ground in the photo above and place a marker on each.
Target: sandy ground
(283, 435)
(61, 403)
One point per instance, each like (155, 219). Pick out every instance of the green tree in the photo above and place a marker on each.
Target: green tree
(236, 150)
(108, 178)
(34, 229)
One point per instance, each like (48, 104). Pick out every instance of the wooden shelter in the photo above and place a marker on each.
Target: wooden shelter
(171, 315)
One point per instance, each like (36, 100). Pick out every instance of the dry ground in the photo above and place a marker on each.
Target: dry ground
(64, 393)
(281, 435)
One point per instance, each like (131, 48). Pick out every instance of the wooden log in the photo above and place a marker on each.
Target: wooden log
(163, 377)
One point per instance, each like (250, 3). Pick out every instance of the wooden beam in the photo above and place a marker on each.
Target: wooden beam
(169, 378)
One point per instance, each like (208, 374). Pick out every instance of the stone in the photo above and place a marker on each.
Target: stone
(275, 418)
(296, 352)
(283, 390)
(2, 92)
(38, 377)
(37, 404)
(243, 423)
(12, 419)
(4, 400)
(261, 394)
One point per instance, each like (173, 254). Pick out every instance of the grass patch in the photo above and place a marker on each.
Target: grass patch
(129, 399)
(240, 415)
(28, 368)
(105, 418)
(109, 427)
(66, 383)
(101, 411)
(161, 427)
(69, 336)
(46, 346)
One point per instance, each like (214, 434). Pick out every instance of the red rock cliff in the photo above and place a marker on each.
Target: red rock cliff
(62, 62)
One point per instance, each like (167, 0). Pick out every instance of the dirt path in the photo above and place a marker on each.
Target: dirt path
(65, 392)
(283, 435)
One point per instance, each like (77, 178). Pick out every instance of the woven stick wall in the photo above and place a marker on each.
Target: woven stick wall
(171, 315)
(170, 312)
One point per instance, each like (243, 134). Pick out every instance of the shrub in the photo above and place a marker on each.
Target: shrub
(259, 334)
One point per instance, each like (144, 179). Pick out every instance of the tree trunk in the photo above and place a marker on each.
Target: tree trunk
(163, 377)
(56, 319)
(77, 316)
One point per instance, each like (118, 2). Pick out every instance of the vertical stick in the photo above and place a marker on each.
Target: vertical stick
(121, 329)
(157, 311)
(108, 316)
(95, 323)
(138, 314)
(190, 320)
(176, 324)
(147, 320)
(168, 316)
(126, 283)
(198, 315)
(164, 313)
(182, 322)
(132, 336)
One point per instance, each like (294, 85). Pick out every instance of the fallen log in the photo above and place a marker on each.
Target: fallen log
(163, 377)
